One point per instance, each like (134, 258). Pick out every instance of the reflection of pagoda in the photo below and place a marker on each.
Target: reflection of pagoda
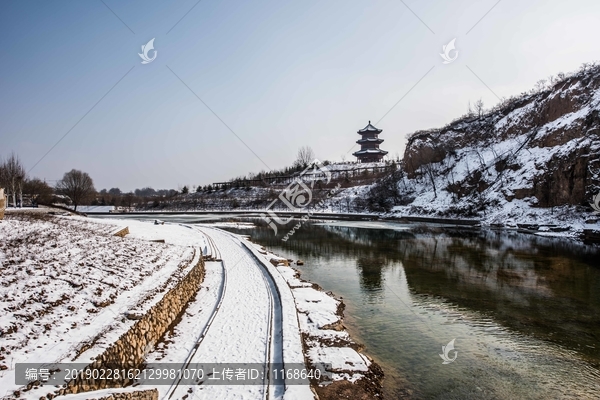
(369, 145)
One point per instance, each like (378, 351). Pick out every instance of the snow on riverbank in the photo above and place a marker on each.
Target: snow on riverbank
(320, 317)
(70, 288)
(67, 285)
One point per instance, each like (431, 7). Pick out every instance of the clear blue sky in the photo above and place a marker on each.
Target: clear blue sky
(280, 74)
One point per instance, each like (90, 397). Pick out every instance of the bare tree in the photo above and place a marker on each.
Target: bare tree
(128, 200)
(38, 190)
(481, 159)
(3, 177)
(3, 194)
(539, 87)
(479, 108)
(430, 169)
(77, 186)
(306, 155)
(12, 176)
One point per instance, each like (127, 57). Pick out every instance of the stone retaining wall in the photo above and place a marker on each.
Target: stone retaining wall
(131, 348)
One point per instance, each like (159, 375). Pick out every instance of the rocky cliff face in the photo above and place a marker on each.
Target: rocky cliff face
(537, 150)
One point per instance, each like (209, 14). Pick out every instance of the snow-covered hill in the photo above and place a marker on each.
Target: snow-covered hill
(535, 158)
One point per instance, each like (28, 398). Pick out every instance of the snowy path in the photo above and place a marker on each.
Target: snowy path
(242, 330)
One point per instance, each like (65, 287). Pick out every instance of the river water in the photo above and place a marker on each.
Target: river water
(523, 310)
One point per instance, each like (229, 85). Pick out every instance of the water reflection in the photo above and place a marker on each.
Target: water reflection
(370, 269)
(538, 286)
(503, 294)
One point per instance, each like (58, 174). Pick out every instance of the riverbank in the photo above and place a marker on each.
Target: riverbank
(349, 372)
(71, 289)
(72, 249)
(573, 222)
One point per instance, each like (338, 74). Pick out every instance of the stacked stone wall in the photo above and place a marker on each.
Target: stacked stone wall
(130, 350)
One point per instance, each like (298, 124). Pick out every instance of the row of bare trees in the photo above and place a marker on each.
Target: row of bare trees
(77, 186)
(12, 178)
(304, 158)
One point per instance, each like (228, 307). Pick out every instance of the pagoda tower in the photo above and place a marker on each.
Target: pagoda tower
(369, 145)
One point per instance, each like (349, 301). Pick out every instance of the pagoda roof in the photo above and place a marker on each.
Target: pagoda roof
(369, 140)
(369, 151)
(369, 128)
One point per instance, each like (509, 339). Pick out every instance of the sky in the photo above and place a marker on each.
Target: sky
(239, 86)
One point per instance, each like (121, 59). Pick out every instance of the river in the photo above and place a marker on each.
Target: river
(523, 310)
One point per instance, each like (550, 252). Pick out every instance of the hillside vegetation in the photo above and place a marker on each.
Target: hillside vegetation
(539, 150)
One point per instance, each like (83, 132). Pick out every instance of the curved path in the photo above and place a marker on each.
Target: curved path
(245, 325)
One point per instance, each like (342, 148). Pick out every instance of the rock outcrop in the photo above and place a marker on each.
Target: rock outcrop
(542, 148)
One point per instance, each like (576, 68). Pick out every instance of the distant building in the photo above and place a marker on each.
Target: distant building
(369, 145)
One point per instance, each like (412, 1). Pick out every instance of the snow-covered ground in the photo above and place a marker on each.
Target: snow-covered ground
(68, 285)
(320, 320)
(236, 318)
(241, 330)
(93, 209)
